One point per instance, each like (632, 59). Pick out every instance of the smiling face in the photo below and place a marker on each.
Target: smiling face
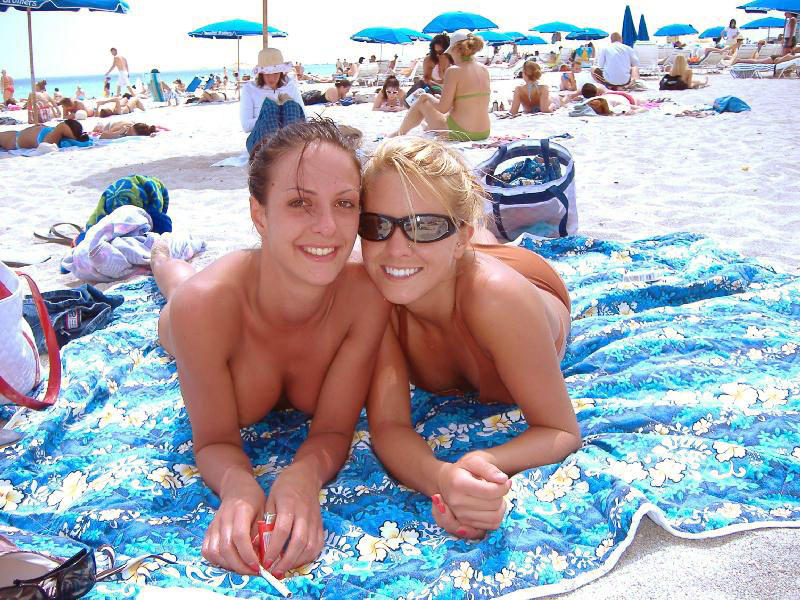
(309, 217)
(404, 271)
(271, 79)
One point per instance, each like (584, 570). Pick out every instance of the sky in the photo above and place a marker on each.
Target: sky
(153, 33)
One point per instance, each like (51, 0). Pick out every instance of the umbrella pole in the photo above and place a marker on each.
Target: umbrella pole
(238, 70)
(265, 33)
(32, 98)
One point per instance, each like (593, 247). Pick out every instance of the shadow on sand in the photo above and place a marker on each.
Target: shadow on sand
(179, 172)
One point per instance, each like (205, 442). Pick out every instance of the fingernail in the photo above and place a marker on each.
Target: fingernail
(253, 567)
(438, 504)
(278, 575)
(268, 564)
(461, 532)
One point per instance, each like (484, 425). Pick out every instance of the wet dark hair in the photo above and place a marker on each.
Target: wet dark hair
(144, 129)
(732, 23)
(343, 83)
(391, 82)
(442, 40)
(126, 95)
(77, 130)
(300, 134)
(261, 82)
(589, 90)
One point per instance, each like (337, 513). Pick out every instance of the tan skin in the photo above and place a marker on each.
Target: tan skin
(464, 77)
(428, 65)
(538, 100)
(70, 107)
(509, 318)
(28, 138)
(271, 328)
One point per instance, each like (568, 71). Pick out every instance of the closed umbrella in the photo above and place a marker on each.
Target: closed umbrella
(555, 27)
(115, 6)
(712, 32)
(643, 35)
(453, 21)
(587, 33)
(234, 29)
(676, 29)
(765, 23)
(628, 28)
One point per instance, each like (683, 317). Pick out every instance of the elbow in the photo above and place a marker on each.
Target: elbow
(572, 441)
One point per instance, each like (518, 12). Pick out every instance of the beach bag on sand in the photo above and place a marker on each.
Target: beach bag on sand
(19, 359)
(670, 82)
(543, 209)
(45, 113)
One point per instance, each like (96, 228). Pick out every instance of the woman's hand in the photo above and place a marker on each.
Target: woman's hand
(228, 541)
(473, 488)
(294, 498)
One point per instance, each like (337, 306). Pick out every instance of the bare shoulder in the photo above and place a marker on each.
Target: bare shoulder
(358, 294)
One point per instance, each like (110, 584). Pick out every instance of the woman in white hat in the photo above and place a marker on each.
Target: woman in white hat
(272, 82)
(463, 108)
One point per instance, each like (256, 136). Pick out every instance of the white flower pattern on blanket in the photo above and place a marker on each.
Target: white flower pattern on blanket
(685, 388)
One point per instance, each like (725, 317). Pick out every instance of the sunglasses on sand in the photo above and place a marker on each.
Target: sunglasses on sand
(422, 229)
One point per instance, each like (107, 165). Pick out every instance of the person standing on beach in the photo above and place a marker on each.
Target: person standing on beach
(731, 33)
(121, 65)
(789, 33)
(7, 85)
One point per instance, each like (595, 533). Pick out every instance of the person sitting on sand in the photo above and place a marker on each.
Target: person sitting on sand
(121, 105)
(118, 129)
(80, 94)
(272, 83)
(390, 98)
(289, 324)
(470, 315)
(32, 137)
(532, 96)
(354, 68)
(179, 86)
(464, 99)
(434, 66)
(568, 83)
(617, 64)
(682, 72)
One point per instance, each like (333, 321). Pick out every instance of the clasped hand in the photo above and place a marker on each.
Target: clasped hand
(472, 496)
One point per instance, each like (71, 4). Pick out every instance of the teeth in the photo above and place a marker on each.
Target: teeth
(318, 251)
(401, 272)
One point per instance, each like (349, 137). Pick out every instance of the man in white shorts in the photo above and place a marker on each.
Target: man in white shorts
(121, 65)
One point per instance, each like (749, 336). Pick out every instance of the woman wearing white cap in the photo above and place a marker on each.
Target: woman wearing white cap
(463, 108)
(272, 99)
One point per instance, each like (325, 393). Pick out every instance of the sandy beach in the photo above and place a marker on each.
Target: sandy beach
(733, 177)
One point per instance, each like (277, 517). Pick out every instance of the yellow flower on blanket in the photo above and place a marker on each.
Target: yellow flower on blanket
(372, 548)
(623, 256)
(165, 477)
(559, 483)
(579, 404)
(726, 451)
(360, 436)
(443, 439)
(603, 548)
(186, 472)
(139, 572)
(772, 397)
(661, 429)
(501, 422)
(729, 510)
(73, 487)
(306, 570)
(462, 576)
(395, 538)
(505, 578)
(558, 561)
(110, 414)
(9, 497)
(738, 395)
(323, 496)
(666, 469)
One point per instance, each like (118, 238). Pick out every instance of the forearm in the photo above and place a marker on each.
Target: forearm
(322, 455)
(226, 469)
(533, 448)
(407, 456)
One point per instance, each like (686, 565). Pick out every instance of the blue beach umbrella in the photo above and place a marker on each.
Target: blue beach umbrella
(515, 36)
(532, 40)
(555, 27)
(453, 21)
(762, 6)
(415, 35)
(586, 34)
(765, 23)
(712, 32)
(643, 35)
(114, 6)
(675, 29)
(381, 35)
(494, 38)
(234, 29)
(628, 28)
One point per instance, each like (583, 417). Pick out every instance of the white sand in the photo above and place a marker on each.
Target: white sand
(734, 177)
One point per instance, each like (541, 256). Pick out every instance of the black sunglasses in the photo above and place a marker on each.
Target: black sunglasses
(422, 228)
(73, 579)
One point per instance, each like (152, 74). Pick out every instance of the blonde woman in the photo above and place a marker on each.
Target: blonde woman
(463, 108)
(681, 70)
(468, 316)
(532, 96)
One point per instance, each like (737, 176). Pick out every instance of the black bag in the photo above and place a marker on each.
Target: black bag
(670, 82)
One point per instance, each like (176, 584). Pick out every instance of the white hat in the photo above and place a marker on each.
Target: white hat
(270, 60)
(458, 36)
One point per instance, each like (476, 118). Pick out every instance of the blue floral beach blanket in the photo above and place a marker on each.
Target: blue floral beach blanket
(682, 366)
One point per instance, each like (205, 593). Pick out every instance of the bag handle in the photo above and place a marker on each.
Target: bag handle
(54, 381)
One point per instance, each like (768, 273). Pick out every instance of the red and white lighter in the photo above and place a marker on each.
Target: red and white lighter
(265, 529)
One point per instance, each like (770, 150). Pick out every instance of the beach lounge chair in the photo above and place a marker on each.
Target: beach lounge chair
(770, 50)
(712, 62)
(746, 51)
(209, 83)
(747, 71)
(367, 74)
(670, 60)
(193, 85)
(648, 57)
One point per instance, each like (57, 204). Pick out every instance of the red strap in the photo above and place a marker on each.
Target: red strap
(54, 382)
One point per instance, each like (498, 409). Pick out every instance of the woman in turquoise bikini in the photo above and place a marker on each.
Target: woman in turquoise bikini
(31, 137)
(463, 108)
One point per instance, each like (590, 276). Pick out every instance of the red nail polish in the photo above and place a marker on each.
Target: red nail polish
(253, 567)
(278, 575)
(461, 532)
(267, 564)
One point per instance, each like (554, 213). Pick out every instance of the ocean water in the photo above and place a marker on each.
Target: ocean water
(93, 84)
